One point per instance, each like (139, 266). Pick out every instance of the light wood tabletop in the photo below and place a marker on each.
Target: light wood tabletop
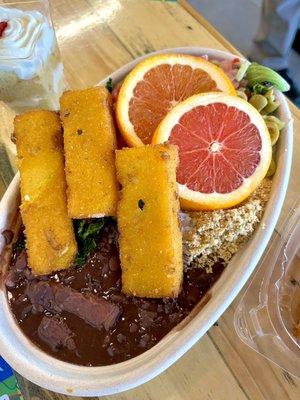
(96, 37)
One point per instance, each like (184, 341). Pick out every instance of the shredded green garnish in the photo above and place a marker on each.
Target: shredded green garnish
(87, 233)
(260, 88)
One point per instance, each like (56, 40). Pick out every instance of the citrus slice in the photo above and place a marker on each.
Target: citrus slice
(224, 149)
(156, 85)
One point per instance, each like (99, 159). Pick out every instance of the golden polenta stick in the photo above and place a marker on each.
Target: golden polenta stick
(38, 131)
(89, 142)
(150, 239)
(50, 238)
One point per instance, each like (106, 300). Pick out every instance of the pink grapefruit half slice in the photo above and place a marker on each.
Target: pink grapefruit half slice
(224, 149)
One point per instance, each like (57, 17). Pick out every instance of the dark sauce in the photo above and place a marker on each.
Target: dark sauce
(141, 324)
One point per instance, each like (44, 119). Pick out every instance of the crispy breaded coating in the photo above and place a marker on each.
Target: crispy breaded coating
(50, 238)
(150, 239)
(89, 142)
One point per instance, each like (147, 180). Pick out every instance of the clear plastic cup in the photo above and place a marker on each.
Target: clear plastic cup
(31, 71)
(268, 316)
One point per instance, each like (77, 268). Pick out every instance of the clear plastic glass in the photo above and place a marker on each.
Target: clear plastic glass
(31, 71)
(268, 314)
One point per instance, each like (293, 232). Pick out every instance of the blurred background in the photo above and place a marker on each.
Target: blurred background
(266, 31)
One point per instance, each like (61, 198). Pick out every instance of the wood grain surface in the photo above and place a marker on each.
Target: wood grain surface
(96, 37)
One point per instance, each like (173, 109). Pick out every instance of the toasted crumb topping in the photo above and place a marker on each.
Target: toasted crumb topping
(211, 236)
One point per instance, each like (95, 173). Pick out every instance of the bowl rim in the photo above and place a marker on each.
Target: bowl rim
(50, 373)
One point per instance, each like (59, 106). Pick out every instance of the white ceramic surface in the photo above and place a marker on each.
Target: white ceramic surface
(62, 377)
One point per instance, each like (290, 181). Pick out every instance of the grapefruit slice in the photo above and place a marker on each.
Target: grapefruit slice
(224, 149)
(156, 85)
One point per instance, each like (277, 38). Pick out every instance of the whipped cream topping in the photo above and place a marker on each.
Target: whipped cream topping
(26, 43)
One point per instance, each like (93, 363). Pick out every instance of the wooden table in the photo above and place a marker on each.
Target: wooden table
(96, 37)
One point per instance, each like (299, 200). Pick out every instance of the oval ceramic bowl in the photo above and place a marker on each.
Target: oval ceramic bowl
(62, 377)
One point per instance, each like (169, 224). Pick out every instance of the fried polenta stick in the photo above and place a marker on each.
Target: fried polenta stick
(50, 238)
(89, 142)
(150, 239)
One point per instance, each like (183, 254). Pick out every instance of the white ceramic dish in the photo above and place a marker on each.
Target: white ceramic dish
(62, 377)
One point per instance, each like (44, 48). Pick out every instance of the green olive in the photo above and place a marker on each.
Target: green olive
(270, 95)
(280, 124)
(271, 107)
(258, 101)
(272, 169)
(273, 131)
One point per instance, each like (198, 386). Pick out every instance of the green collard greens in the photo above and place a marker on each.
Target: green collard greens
(87, 233)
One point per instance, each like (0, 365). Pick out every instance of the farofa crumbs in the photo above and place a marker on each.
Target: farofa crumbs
(211, 236)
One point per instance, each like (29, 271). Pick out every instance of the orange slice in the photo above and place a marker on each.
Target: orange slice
(224, 149)
(156, 85)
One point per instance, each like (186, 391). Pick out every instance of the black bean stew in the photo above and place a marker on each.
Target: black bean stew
(80, 315)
